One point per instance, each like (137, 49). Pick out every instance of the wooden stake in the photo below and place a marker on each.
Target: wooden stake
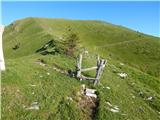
(79, 63)
(99, 71)
(98, 61)
(2, 62)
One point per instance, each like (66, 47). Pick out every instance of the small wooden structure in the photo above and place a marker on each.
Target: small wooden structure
(99, 69)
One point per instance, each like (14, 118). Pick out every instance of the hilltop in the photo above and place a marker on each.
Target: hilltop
(137, 54)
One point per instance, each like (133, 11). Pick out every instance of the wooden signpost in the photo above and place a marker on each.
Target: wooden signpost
(99, 69)
(2, 63)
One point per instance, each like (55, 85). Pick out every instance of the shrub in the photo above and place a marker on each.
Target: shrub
(70, 44)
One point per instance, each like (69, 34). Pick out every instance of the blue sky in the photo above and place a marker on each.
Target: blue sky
(141, 16)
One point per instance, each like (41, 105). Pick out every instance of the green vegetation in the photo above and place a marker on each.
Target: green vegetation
(70, 44)
(25, 81)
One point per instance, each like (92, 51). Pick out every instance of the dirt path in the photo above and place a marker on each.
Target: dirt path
(54, 67)
(118, 43)
(89, 102)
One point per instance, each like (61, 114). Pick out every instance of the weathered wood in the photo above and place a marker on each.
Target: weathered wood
(2, 62)
(88, 69)
(79, 63)
(98, 61)
(86, 78)
(99, 71)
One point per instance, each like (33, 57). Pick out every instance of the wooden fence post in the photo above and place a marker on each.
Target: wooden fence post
(2, 63)
(99, 71)
(79, 64)
(98, 61)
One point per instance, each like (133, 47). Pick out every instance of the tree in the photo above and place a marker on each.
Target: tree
(70, 44)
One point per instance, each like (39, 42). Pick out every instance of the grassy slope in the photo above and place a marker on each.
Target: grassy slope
(113, 42)
(133, 48)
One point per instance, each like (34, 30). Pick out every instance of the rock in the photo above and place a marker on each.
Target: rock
(86, 52)
(33, 85)
(114, 110)
(88, 92)
(91, 95)
(124, 114)
(107, 87)
(122, 64)
(69, 98)
(60, 37)
(42, 64)
(34, 106)
(109, 104)
(133, 83)
(122, 75)
(48, 73)
(40, 76)
(133, 96)
(92, 91)
(18, 90)
(149, 98)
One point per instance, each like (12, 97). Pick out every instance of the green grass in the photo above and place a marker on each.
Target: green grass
(49, 90)
(139, 53)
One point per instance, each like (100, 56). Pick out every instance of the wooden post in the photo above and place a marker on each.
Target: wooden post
(99, 71)
(98, 61)
(79, 63)
(2, 63)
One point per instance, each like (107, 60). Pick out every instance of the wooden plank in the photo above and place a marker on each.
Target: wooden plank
(88, 69)
(87, 78)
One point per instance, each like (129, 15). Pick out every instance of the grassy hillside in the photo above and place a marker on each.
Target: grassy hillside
(133, 48)
(25, 81)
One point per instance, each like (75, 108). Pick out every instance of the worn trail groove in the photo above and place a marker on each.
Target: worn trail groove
(55, 67)
(89, 102)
